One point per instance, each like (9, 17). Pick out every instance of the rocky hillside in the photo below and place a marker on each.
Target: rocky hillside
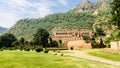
(84, 6)
(82, 17)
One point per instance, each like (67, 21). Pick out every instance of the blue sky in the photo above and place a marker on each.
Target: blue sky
(13, 10)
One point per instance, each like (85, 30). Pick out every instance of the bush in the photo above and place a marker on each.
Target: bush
(1, 49)
(27, 49)
(38, 49)
(107, 41)
(46, 50)
(95, 45)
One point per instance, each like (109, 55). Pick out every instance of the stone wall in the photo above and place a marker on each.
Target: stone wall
(78, 44)
(115, 44)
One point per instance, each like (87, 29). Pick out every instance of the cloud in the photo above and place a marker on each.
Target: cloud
(7, 19)
(16, 9)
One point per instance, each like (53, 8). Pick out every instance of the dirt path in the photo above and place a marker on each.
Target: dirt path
(93, 58)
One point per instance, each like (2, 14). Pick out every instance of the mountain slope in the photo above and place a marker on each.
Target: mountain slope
(84, 6)
(69, 20)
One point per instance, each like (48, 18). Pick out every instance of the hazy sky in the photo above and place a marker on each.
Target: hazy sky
(13, 10)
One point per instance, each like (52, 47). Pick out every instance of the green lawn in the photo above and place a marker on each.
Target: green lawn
(22, 59)
(107, 55)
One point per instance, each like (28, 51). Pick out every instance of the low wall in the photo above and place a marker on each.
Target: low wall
(115, 44)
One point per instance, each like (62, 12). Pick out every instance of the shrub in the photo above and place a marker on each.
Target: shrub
(1, 49)
(46, 50)
(38, 49)
(27, 49)
(95, 44)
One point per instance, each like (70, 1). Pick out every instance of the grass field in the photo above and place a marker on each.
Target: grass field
(106, 53)
(22, 59)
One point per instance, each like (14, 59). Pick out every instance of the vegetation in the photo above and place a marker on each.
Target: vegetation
(100, 32)
(41, 37)
(18, 59)
(45, 50)
(69, 20)
(39, 49)
(6, 40)
(114, 36)
(115, 13)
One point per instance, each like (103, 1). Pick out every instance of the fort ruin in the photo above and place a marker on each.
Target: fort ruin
(70, 34)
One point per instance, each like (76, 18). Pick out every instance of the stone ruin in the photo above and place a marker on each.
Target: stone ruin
(67, 35)
(115, 44)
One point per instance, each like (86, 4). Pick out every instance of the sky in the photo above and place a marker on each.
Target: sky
(13, 10)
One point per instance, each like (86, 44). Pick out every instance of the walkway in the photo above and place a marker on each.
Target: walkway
(93, 58)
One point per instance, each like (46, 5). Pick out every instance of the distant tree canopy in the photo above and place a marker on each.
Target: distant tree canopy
(115, 6)
(41, 37)
(7, 39)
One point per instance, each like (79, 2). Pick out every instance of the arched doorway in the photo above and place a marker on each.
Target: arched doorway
(71, 48)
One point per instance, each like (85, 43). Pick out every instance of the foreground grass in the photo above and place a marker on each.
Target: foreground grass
(105, 53)
(21, 59)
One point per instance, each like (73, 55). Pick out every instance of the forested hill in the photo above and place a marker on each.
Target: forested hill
(69, 20)
(27, 27)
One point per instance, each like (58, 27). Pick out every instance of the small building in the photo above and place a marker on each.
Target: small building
(115, 44)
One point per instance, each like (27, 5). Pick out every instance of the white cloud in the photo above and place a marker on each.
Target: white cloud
(7, 19)
(16, 9)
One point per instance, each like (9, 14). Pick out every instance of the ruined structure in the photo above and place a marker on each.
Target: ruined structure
(70, 35)
(78, 44)
(115, 44)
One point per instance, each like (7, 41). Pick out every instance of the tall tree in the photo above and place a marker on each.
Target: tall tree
(7, 39)
(115, 6)
(41, 37)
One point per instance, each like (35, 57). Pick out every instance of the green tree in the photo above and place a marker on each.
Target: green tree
(86, 38)
(16, 43)
(22, 41)
(53, 43)
(41, 37)
(116, 12)
(7, 39)
(100, 32)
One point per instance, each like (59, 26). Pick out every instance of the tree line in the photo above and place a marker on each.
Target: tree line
(41, 39)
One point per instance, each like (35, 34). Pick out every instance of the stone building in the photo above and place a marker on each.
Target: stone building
(70, 34)
(115, 44)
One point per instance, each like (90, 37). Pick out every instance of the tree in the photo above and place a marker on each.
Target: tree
(100, 32)
(53, 43)
(41, 37)
(86, 38)
(116, 12)
(22, 41)
(7, 39)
